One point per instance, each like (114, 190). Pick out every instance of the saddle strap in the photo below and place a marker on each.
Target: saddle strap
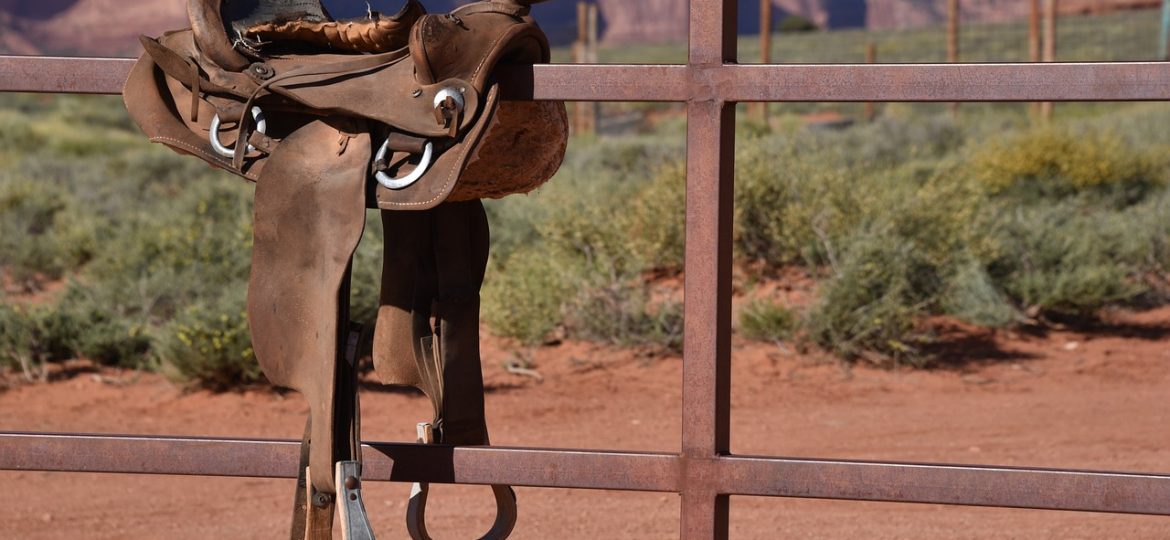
(427, 334)
(460, 259)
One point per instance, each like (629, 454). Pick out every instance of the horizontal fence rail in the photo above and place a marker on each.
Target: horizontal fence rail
(1115, 81)
(1049, 489)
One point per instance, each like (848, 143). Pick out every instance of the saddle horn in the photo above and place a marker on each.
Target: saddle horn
(211, 34)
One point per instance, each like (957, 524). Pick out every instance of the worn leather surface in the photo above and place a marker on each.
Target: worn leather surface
(430, 290)
(394, 90)
(309, 216)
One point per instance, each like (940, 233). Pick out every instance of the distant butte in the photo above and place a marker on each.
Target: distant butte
(111, 27)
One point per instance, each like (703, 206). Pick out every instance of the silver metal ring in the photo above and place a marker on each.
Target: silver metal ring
(261, 127)
(423, 166)
(454, 94)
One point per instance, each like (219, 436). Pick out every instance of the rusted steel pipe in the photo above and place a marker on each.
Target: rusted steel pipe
(381, 461)
(1052, 489)
(1074, 81)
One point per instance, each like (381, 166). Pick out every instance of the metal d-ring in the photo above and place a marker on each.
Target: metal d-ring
(423, 166)
(416, 510)
(454, 94)
(261, 127)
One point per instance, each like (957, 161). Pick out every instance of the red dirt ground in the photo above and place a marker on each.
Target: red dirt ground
(1065, 399)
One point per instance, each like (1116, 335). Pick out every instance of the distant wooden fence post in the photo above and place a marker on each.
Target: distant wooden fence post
(953, 40)
(1164, 39)
(761, 109)
(1034, 45)
(1049, 51)
(585, 52)
(870, 58)
(1034, 32)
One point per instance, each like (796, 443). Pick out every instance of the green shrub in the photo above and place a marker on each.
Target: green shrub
(90, 325)
(17, 134)
(1055, 163)
(870, 308)
(1060, 258)
(767, 320)
(656, 220)
(620, 313)
(46, 231)
(367, 273)
(16, 336)
(791, 213)
(33, 337)
(522, 297)
(209, 345)
(972, 296)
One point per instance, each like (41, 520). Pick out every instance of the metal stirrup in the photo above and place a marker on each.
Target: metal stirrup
(213, 137)
(416, 511)
(355, 524)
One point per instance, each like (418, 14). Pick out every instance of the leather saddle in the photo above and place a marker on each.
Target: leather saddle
(400, 113)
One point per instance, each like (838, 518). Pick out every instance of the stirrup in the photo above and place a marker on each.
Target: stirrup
(355, 524)
(416, 511)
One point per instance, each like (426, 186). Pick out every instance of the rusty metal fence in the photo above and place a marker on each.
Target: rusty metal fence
(705, 473)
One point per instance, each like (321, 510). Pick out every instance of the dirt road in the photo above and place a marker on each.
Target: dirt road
(1064, 399)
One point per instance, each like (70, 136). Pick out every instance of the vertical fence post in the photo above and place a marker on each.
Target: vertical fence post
(1164, 38)
(1034, 45)
(1049, 51)
(761, 109)
(953, 40)
(579, 58)
(584, 52)
(870, 58)
(592, 109)
(706, 421)
(1034, 32)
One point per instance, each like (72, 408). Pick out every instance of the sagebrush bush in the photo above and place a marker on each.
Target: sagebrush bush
(582, 268)
(15, 337)
(45, 230)
(870, 307)
(33, 337)
(367, 273)
(522, 296)
(1063, 259)
(767, 320)
(971, 295)
(17, 133)
(1056, 162)
(656, 220)
(95, 326)
(620, 313)
(209, 345)
(788, 209)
